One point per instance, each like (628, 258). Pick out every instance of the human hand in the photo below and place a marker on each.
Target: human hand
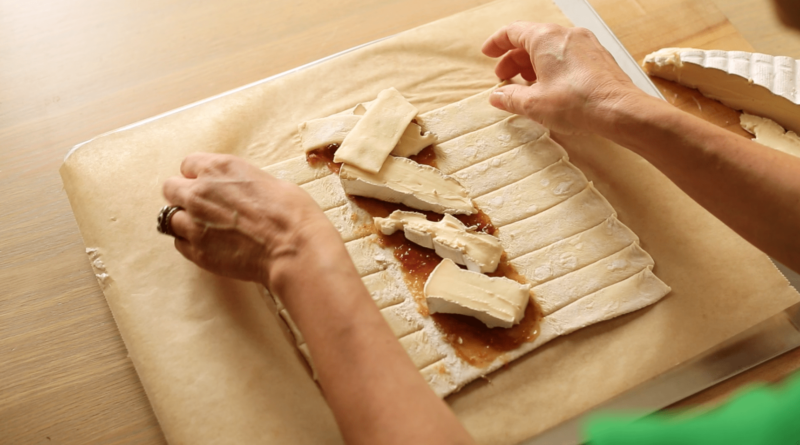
(239, 221)
(578, 83)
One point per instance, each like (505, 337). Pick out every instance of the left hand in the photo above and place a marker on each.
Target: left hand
(239, 221)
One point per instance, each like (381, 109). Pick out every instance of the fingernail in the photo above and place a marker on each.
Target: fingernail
(500, 99)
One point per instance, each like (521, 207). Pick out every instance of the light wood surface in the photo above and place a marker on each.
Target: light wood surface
(72, 69)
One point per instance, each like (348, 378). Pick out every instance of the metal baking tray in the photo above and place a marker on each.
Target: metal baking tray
(769, 339)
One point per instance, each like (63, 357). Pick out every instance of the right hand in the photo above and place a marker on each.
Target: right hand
(578, 83)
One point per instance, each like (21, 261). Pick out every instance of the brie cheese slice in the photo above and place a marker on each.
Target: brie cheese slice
(480, 252)
(496, 301)
(768, 132)
(403, 181)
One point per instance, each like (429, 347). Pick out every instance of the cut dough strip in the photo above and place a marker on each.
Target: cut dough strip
(420, 350)
(297, 170)
(471, 148)
(511, 166)
(534, 194)
(327, 192)
(462, 117)
(367, 256)
(575, 252)
(566, 289)
(634, 293)
(386, 287)
(578, 213)
(351, 221)
(377, 133)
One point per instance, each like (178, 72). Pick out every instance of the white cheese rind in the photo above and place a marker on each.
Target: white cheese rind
(767, 132)
(495, 301)
(449, 238)
(403, 181)
(377, 133)
(760, 84)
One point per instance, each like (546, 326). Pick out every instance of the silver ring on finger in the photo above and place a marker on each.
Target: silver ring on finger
(165, 220)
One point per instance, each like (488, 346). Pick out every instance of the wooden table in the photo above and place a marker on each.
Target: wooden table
(72, 69)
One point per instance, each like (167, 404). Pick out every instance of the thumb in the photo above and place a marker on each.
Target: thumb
(514, 98)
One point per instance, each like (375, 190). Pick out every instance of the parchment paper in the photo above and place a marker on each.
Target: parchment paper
(216, 361)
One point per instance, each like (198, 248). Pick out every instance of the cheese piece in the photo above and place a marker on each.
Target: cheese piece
(378, 131)
(403, 181)
(413, 141)
(562, 291)
(575, 252)
(578, 213)
(511, 166)
(449, 238)
(536, 193)
(768, 132)
(496, 301)
(471, 148)
(297, 170)
(759, 84)
(465, 116)
(318, 133)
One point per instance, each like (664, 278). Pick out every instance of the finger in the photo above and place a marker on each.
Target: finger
(183, 226)
(500, 42)
(186, 249)
(516, 61)
(515, 99)
(196, 164)
(176, 190)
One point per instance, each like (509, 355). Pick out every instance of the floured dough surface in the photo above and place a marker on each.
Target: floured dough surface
(558, 232)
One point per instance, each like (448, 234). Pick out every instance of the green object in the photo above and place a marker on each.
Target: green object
(764, 415)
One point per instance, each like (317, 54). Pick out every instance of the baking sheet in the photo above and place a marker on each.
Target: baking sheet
(211, 353)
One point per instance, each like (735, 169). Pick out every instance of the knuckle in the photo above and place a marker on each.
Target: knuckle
(581, 32)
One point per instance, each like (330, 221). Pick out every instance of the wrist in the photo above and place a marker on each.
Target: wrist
(312, 252)
(623, 120)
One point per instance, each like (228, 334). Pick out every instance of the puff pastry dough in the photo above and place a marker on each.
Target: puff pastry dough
(557, 230)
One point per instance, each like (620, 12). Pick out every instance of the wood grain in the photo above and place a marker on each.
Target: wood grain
(72, 69)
